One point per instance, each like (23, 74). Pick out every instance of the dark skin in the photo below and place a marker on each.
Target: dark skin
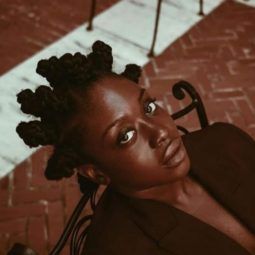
(133, 165)
(125, 135)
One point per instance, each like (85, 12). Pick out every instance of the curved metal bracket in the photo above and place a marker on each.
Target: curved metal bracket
(178, 92)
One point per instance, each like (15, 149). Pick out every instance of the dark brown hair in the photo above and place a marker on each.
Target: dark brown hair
(57, 105)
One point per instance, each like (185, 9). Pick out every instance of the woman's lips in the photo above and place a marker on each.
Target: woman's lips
(174, 153)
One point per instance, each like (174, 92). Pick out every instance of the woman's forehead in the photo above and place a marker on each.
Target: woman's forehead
(109, 100)
(118, 85)
(113, 93)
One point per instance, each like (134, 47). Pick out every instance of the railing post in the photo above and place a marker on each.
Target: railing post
(92, 14)
(201, 5)
(151, 53)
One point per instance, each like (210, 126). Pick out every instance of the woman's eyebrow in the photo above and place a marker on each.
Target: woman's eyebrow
(114, 123)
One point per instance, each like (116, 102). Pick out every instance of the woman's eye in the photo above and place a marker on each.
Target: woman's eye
(150, 107)
(126, 136)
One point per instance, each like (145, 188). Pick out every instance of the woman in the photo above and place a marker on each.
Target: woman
(167, 194)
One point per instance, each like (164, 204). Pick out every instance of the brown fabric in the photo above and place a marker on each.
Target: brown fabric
(223, 160)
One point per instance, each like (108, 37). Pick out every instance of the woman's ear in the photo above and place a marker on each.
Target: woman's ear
(94, 174)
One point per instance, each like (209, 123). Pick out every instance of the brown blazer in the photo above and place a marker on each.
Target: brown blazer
(223, 160)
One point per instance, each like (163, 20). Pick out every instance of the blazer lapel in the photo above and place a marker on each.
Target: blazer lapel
(243, 202)
(192, 236)
(223, 160)
(178, 232)
(153, 217)
(227, 171)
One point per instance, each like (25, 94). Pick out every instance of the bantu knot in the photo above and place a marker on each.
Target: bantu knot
(43, 103)
(35, 133)
(28, 102)
(101, 56)
(62, 163)
(132, 72)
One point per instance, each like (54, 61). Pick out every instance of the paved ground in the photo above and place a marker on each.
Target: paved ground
(28, 26)
(217, 56)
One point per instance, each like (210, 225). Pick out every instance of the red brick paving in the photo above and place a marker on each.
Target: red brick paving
(28, 26)
(216, 56)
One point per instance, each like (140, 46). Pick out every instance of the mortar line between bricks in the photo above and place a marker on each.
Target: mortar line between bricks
(46, 218)
(222, 90)
(245, 98)
(228, 117)
(235, 104)
(29, 173)
(154, 64)
(249, 104)
(226, 99)
(10, 189)
(45, 233)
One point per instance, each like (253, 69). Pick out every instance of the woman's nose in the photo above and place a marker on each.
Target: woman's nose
(160, 137)
(157, 134)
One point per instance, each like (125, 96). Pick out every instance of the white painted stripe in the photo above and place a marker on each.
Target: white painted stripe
(127, 27)
(247, 2)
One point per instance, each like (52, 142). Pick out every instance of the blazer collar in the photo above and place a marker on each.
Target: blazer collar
(192, 236)
(226, 179)
(178, 232)
(153, 217)
(226, 169)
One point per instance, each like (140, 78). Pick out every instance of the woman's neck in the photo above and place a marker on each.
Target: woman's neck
(178, 194)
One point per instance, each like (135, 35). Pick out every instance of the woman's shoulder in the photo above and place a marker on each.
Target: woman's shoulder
(220, 136)
(221, 147)
(231, 129)
(223, 159)
(113, 230)
(110, 207)
(221, 128)
(109, 223)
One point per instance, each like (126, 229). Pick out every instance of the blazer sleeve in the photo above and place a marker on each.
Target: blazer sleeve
(243, 197)
(239, 147)
(249, 139)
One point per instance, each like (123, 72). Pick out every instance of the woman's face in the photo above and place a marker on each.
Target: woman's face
(126, 135)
